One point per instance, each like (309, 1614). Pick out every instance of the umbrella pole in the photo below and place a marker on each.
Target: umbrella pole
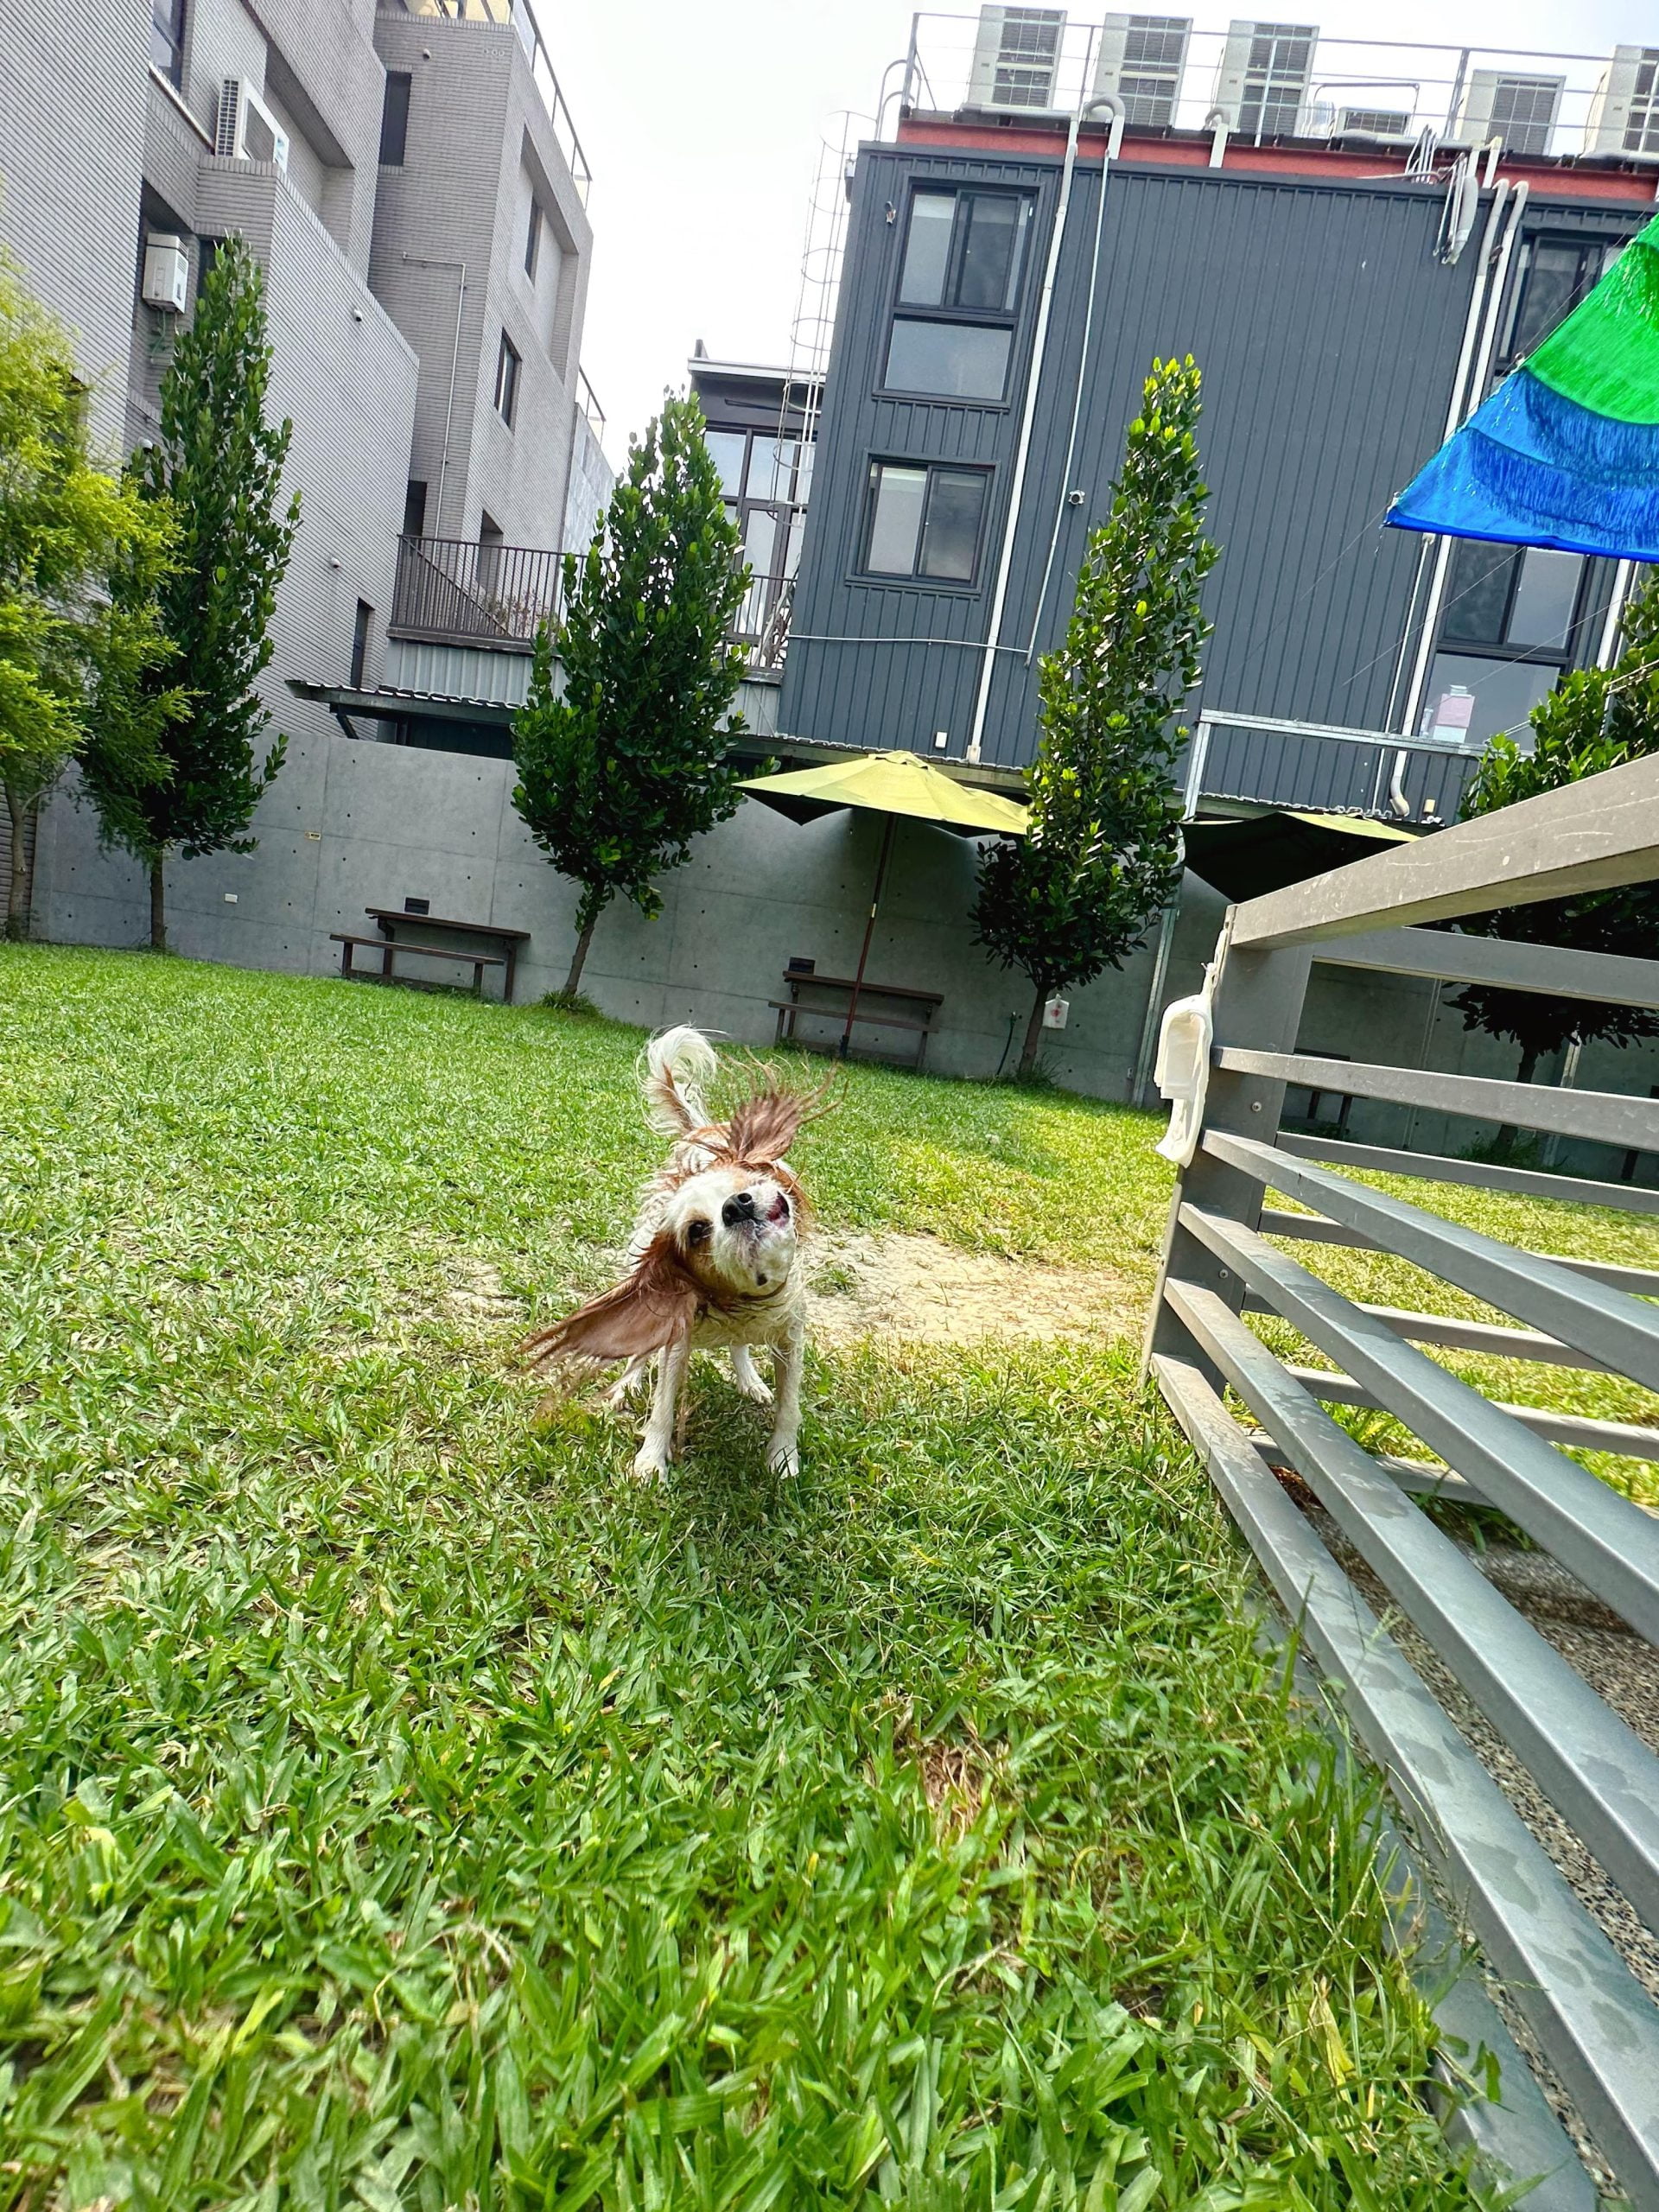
(869, 930)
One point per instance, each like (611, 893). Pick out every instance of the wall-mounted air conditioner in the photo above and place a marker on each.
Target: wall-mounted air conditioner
(1261, 85)
(166, 281)
(247, 130)
(1624, 113)
(1140, 59)
(1017, 59)
(1498, 104)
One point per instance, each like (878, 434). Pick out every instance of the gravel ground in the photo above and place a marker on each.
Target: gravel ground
(1623, 1668)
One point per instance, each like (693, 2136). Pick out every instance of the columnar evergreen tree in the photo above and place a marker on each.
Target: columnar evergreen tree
(68, 653)
(217, 466)
(1597, 719)
(1103, 854)
(620, 772)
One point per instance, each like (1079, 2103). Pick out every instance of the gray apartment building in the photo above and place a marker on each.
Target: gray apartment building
(410, 178)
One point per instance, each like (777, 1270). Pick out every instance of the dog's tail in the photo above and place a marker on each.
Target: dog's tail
(677, 1066)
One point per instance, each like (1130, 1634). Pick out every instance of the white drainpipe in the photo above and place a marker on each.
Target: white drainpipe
(1414, 702)
(1039, 342)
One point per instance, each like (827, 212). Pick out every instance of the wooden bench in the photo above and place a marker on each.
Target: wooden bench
(920, 1007)
(389, 948)
(388, 919)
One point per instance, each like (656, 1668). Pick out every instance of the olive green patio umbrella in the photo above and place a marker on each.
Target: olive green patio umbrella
(890, 784)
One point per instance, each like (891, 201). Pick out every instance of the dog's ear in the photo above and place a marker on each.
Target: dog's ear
(655, 1306)
(765, 1126)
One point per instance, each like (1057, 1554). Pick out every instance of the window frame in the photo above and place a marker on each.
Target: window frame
(1008, 319)
(507, 379)
(169, 34)
(1564, 656)
(533, 238)
(362, 637)
(917, 579)
(1586, 247)
(395, 104)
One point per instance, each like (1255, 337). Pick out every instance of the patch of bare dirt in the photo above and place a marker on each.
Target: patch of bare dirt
(918, 1287)
(475, 1295)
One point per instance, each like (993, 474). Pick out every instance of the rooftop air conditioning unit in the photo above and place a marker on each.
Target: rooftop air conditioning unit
(1261, 85)
(247, 130)
(1386, 127)
(1017, 59)
(1521, 111)
(1624, 113)
(1141, 59)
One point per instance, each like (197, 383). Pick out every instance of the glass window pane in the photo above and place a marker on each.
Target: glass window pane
(896, 496)
(1545, 598)
(951, 534)
(1477, 592)
(728, 448)
(987, 274)
(1504, 692)
(927, 248)
(955, 360)
(771, 465)
(760, 540)
(1557, 279)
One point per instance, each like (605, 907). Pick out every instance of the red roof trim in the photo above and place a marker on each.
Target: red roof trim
(1191, 150)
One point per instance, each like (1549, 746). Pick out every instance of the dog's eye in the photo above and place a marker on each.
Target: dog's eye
(698, 1233)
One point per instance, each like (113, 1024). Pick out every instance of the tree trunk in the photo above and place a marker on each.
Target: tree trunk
(21, 893)
(1033, 1031)
(573, 981)
(157, 905)
(1503, 1144)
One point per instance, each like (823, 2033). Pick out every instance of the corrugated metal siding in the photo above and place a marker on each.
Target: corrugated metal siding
(1328, 336)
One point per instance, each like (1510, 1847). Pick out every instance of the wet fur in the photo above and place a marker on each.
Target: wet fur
(716, 1255)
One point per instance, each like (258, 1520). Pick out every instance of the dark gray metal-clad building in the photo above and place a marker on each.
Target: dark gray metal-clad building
(1311, 284)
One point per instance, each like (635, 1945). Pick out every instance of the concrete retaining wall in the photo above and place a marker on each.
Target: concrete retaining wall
(348, 826)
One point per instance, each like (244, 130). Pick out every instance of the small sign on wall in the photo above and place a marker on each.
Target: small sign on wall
(1055, 1012)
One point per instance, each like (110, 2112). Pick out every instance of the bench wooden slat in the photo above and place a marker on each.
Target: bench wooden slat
(383, 944)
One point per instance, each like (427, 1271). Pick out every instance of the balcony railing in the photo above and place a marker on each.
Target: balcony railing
(522, 18)
(1326, 768)
(588, 400)
(1293, 84)
(455, 591)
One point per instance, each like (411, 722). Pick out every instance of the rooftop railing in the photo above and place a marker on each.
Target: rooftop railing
(522, 18)
(588, 400)
(455, 591)
(1326, 768)
(1287, 80)
(1563, 1948)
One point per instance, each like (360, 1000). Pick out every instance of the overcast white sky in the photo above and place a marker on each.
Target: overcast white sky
(702, 124)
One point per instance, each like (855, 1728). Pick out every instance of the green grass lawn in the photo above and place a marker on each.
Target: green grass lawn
(402, 1808)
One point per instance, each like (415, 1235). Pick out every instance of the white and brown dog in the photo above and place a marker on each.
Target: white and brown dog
(715, 1260)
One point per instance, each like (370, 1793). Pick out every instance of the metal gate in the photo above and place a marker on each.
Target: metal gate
(1589, 2014)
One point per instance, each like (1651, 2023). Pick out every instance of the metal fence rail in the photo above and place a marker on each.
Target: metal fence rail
(455, 591)
(1595, 2023)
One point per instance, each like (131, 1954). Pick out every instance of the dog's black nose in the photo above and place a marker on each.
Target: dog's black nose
(739, 1207)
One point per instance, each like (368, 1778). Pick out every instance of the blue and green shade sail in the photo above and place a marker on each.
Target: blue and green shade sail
(1566, 451)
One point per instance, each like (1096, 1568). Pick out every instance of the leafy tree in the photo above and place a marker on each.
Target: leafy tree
(619, 773)
(1597, 719)
(66, 525)
(218, 467)
(1103, 853)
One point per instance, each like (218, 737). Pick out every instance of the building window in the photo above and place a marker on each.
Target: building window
(415, 509)
(507, 365)
(1509, 631)
(166, 40)
(533, 240)
(394, 120)
(360, 631)
(1555, 275)
(965, 263)
(922, 520)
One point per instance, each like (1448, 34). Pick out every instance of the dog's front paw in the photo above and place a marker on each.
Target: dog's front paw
(783, 1458)
(756, 1389)
(649, 1465)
